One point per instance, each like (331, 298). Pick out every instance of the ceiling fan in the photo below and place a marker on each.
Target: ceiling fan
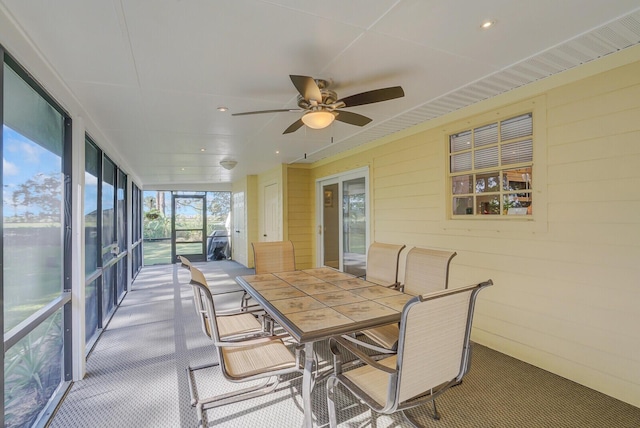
(321, 105)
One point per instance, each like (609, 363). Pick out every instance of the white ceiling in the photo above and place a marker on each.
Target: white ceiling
(151, 73)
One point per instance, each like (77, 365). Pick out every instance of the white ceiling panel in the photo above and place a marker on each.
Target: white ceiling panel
(520, 30)
(151, 73)
(104, 103)
(85, 41)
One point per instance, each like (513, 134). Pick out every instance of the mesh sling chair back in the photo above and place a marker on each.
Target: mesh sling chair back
(426, 270)
(230, 324)
(248, 322)
(197, 303)
(245, 353)
(433, 355)
(382, 263)
(271, 257)
(185, 262)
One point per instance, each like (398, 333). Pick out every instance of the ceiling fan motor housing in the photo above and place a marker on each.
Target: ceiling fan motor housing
(329, 97)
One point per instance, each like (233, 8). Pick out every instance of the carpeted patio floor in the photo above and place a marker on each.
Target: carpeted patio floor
(136, 376)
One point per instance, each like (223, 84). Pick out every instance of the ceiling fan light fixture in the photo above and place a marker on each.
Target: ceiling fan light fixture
(228, 164)
(318, 119)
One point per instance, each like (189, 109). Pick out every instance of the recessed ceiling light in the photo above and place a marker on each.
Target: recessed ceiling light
(202, 149)
(222, 108)
(487, 24)
(277, 152)
(182, 169)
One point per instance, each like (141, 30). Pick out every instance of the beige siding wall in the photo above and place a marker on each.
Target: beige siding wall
(296, 216)
(567, 285)
(300, 217)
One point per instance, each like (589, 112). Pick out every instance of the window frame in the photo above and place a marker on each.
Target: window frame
(476, 116)
(498, 172)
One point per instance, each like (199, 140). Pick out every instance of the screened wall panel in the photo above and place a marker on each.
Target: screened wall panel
(36, 261)
(108, 209)
(108, 292)
(91, 313)
(32, 195)
(91, 243)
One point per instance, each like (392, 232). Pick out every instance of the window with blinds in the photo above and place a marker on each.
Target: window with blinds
(490, 168)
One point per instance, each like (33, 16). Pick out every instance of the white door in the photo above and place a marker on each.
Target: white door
(271, 214)
(238, 234)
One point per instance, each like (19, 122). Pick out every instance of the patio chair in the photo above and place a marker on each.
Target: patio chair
(197, 303)
(382, 263)
(271, 257)
(231, 323)
(426, 270)
(245, 353)
(186, 263)
(433, 355)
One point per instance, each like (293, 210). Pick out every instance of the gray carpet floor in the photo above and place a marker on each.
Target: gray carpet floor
(136, 376)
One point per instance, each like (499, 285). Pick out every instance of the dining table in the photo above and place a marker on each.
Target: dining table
(315, 304)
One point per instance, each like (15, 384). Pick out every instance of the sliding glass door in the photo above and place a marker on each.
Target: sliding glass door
(342, 221)
(354, 226)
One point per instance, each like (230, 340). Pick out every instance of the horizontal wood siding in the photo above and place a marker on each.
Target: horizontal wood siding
(567, 285)
(300, 215)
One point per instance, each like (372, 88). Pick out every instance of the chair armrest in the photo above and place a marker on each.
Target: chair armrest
(231, 312)
(369, 345)
(357, 352)
(250, 341)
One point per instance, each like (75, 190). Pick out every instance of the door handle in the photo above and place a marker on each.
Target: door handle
(265, 235)
(237, 231)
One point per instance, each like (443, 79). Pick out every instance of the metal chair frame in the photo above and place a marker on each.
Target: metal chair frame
(270, 378)
(393, 402)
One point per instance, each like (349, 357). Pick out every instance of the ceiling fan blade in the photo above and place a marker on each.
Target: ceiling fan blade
(375, 96)
(352, 118)
(294, 127)
(307, 87)
(266, 111)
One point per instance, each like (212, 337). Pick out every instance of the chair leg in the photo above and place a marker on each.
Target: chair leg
(268, 325)
(244, 305)
(331, 384)
(436, 415)
(244, 302)
(202, 417)
(374, 418)
(202, 404)
(193, 391)
(267, 386)
(412, 420)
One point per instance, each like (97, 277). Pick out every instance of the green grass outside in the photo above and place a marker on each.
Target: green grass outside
(156, 252)
(159, 252)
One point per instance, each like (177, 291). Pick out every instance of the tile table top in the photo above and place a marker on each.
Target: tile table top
(313, 304)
